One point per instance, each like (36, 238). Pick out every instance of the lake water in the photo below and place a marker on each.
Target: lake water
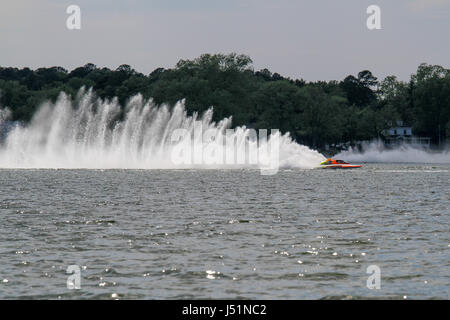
(178, 234)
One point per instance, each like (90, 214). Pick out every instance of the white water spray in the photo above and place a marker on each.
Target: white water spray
(88, 135)
(375, 152)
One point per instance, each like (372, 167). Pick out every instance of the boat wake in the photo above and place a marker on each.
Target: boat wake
(98, 134)
(375, 152)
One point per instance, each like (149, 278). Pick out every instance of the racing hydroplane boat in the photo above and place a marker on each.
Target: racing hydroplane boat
(337, 164)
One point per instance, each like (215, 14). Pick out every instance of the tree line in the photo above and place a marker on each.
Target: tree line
(316, 114)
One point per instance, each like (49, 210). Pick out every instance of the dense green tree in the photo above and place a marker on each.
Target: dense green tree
(431, 100)
(359, 90)
(396, 95)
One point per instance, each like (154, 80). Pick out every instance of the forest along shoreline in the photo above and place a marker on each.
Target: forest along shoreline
(325, 115)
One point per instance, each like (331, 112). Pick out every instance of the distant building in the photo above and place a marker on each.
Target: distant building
(400, 134)
(399, 131)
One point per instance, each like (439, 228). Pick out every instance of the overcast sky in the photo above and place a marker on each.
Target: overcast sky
(313, 40)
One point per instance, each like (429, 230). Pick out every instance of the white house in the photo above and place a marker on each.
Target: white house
(401, 135)
(399, 131)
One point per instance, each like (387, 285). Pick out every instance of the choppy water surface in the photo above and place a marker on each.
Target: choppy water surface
(165, 234)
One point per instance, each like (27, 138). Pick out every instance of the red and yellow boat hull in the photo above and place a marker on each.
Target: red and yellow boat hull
(338, 164)
(341, 166)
